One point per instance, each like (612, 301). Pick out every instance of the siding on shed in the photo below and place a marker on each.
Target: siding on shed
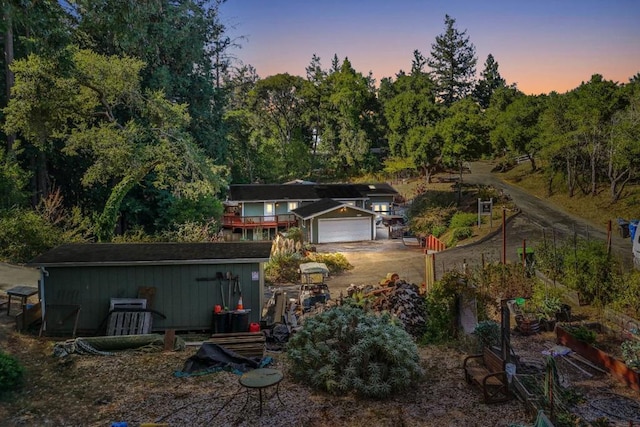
(186, 302)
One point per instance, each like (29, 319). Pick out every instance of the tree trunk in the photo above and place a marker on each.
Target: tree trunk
(8, 59)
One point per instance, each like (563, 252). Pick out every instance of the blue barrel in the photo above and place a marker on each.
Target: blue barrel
(633, 226)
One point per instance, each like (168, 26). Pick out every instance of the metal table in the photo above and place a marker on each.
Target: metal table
(260, 379)
(23, 292)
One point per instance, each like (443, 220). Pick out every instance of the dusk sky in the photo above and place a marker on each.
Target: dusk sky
(541, 45)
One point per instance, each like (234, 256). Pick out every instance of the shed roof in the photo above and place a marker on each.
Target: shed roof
(153, 253)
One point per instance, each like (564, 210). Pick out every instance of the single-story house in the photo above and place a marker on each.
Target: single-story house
(328, 221)
(260, 211)
(185, 280)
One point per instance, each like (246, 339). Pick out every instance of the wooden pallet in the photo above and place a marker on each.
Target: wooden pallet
(247, 344)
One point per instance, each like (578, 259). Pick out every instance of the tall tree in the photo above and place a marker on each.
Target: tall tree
(183, 45)
(79, 107)
(490, 80)
(453, 62)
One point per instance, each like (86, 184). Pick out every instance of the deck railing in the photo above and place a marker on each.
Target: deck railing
(264, 221)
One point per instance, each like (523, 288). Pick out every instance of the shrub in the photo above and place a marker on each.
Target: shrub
(11, 373)
(488, 333)
(25, 234)
(345, 350)
(463, 219)
(462, 233)
(583, 333)
(440, 302)
(631, 353)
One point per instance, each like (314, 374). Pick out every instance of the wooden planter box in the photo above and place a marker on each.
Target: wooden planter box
(615, 367)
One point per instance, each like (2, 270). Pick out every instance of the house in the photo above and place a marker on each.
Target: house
(260, 211)
(187, 280)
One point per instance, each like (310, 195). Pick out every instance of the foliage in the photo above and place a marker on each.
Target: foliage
(441, 301)
(336, 262)
(13, 181)
(488, 333)
(583, 333)
(627, 298)
(590, 270)
(11, 373)
(345, 350)
(453, 61)
(24, 234)
(460, 233)
(463, 219)
(631, 353)
(546, 300)
(283, 269)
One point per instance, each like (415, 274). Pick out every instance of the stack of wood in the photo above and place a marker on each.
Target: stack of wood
(247, 344)
(404, 302)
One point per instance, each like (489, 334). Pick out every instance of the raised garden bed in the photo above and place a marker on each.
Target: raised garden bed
(617, 368)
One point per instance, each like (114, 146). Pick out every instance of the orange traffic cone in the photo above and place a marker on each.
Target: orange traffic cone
(240, 306)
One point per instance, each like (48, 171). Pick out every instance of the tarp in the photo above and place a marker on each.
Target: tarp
(314, 267)
(214, 358)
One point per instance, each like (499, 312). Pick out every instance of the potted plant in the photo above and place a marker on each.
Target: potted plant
(547, 303)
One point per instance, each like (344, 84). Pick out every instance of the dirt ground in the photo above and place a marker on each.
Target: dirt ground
(139, 387)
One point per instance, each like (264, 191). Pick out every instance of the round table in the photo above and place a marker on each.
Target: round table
(260, 379)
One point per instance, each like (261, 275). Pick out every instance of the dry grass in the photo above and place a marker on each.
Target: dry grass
(596, 209)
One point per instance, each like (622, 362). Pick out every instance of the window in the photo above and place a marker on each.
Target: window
(292, 205)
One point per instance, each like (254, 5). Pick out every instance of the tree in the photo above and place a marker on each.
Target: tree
(490, 80)
(453, 61)
(79, 106)
(519, 126)
(464, 134)
(592, 106)
(623, 150)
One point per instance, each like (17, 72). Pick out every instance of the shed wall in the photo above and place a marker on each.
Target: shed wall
(185, 301)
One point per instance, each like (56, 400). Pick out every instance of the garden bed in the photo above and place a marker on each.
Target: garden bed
(617, 368)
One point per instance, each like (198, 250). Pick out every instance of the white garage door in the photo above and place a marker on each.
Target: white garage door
(344, 230)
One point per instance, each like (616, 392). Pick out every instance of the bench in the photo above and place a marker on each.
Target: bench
(487, 371)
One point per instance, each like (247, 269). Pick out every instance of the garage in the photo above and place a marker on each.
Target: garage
(344, 230)
(331, 221)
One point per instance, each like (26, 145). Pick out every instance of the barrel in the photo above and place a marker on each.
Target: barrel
(240, 321)
(221, 322)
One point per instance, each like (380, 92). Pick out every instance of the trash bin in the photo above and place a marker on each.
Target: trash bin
(240, 321)
(221, 322)
(623, 225)
(633, 226)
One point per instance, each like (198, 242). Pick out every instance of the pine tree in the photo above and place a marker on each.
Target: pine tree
(490, 80)
(453, 61)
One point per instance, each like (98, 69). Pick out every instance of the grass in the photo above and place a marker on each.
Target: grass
(596, 209)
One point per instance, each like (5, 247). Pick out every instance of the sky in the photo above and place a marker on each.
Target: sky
(540, 45)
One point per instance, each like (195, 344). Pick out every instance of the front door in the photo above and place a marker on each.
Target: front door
(269, 211)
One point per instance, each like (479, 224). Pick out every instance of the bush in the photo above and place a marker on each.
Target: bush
(345, 350)
(11, 373)
(462, 233)
(488, 333)
(463, 219)
(24, 234)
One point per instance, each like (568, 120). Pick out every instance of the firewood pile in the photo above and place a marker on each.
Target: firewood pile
(400, 298)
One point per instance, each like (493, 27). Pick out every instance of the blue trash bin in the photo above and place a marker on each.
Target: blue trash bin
(633, 226)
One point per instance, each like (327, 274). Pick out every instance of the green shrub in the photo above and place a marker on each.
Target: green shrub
(488, 333)
(24, 234)
(462, 233)
(582, 333)
(11, 373)
(344, 350)
(336, 262)
(440, 302)
(463, 219)
(627, 299)
(631, 353)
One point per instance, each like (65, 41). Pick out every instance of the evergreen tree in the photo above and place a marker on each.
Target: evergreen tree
(490, 80)
(453, 61)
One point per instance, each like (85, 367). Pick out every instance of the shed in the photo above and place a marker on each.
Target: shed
(328, 221)
(186, 280)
